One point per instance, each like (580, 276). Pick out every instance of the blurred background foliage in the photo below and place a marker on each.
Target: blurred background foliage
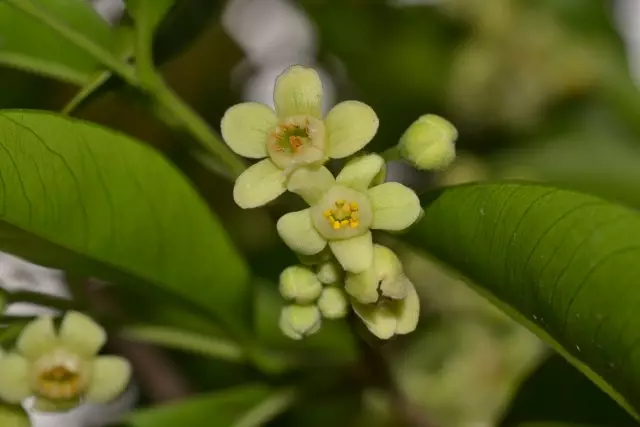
(539, 90)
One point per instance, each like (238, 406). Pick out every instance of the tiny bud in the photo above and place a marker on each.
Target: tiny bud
(329, 273)
(299, 321)
(429, 143)
(333, 303)
(299, 284)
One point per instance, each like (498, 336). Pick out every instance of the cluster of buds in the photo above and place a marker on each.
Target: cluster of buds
(59, 367)
(348, 270)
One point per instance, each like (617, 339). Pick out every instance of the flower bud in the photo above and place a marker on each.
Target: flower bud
(333, 303)
(382, 278)
(299, 284)
(330, 273)
(429, 143)
(13, 416)
(299, 321)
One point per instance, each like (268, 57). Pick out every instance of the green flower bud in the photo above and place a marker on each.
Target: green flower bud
(299, 321)
(330, 273)
(333, 303)
(384, 277)
(429, 143)
(299, 284)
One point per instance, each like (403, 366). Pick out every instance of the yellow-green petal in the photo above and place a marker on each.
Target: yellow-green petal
(395, 207)
(380, 320)
(38, 337)
(259, 184)
(297, 231)
(408, 310)
(41, 404)
(333, 303)
(298, 91)
(389, 270)
(14, 378)
(246, 128)
(355, 255)
(109, 378)
(299, 284)
(80, 334)
(13, 416)
(311, 183)
(350, 126)
(360, 172)
(363, 286)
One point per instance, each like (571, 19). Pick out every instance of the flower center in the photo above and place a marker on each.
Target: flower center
(343, 215)
(59, 375)
(297, 140)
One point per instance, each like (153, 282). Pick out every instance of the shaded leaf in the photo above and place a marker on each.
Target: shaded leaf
(564, 264)
(86, 199)
(557, 392)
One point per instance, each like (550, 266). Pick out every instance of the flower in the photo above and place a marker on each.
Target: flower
(429, 143)
(344, 210)
(62, 368)
(383, 279)
(293, 135)
(388, 317)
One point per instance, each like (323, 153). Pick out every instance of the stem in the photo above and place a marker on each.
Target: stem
(95, 50)
(199, 129)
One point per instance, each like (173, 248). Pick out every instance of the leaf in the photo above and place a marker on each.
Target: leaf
(83, 198)
(562, 263)
(32, 45)
(148, 15)
(245, 406)
(557, 392)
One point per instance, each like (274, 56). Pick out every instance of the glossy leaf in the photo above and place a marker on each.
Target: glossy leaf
(245, 406)
(79, 197)
(565, 264)
(32, 45)
(557, 392)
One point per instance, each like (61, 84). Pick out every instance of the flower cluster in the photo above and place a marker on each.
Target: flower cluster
(61, 368)
(347, 270)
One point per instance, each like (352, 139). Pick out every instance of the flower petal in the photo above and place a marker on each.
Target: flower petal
(109, 378)
(350, 126)
(297, 231)
(246, 128)
(41, 404)
(408, 310)
(259, 184)
(38, 337)
(363, 286)
(355, 255)
(311, 183)
(298, 91)
(360, 172)
(81, 334)
(395, 207)
(380, 320)
(14, 372)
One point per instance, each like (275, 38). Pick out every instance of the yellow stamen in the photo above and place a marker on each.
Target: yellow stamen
(327, 213)
(353, 206)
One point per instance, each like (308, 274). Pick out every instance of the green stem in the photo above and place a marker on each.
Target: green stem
(199, 129)
(98, 52)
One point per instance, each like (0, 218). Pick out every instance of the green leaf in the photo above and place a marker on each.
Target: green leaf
(83, 198)
(245, 406)
(562, 263)
(148, 15)
(557, 391)
(29, 44)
